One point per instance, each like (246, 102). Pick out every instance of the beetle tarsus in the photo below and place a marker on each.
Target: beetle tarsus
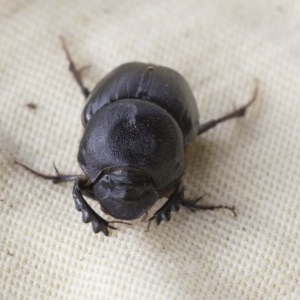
(191, 204)
(88, 214)
(240, 112)
(75, 72)
(58, 178)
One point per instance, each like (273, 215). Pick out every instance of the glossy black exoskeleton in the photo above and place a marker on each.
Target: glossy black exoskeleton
(138, 120)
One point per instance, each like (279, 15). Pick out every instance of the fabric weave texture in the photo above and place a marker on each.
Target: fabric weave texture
(252, 163)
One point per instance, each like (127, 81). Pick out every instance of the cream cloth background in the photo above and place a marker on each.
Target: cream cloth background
(252, 163)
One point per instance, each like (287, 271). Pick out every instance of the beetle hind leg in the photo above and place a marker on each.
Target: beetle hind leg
(240, 112)
(75, 72)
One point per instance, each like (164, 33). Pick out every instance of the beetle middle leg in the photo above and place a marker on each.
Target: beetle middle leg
(240, 112)
(81, 187)
(58, 178)
(193, 206)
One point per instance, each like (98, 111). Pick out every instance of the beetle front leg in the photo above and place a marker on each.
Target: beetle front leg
(88, 214)
(176, 199)
(164, 213)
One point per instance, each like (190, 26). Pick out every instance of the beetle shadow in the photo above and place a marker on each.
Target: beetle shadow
(199, 156)
(201, 161)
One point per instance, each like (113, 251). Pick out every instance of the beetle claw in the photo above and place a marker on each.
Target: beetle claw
(101, 227)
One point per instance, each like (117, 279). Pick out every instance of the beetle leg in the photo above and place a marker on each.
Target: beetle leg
(75, 72)
(193, 206)
(164, 213)
(177, 199)
(240, 112)
(88, 214)
(58, 178)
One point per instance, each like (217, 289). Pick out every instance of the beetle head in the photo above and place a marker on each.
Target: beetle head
(125, 193)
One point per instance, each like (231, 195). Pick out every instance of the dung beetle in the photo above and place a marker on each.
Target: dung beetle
(138, 122)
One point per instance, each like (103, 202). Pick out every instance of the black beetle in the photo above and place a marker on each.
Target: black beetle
(138, 120)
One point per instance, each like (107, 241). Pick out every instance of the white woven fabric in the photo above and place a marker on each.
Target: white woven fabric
(252, 163)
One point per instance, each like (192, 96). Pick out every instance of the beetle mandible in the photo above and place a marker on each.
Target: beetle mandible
(138, 122)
